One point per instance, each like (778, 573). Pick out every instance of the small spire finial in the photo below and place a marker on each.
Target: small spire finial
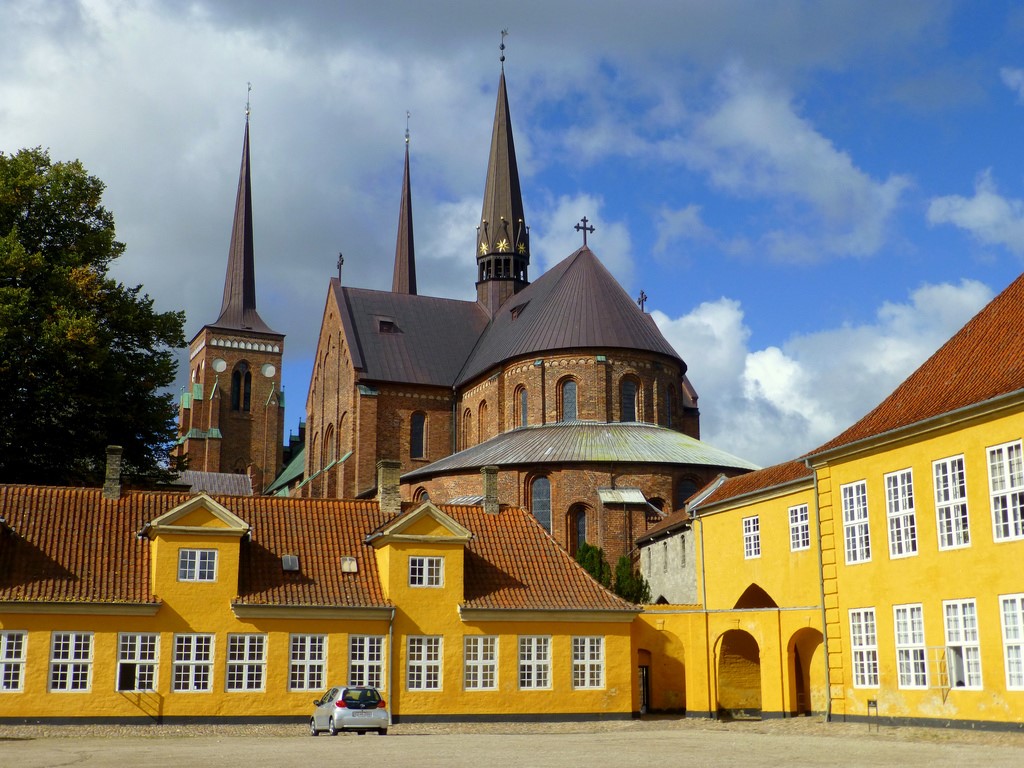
(341, 263)
(582, 227)
(247, 92)
(504, 34)
(407, 116)
(642, 299)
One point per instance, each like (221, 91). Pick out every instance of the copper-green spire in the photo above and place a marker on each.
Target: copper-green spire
(503, 238)
(404, 280)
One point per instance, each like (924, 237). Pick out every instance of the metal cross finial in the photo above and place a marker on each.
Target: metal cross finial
(247, 92)
(584, 229)
(642, 300)
(504, 34)
(407, 116)
(341, 263)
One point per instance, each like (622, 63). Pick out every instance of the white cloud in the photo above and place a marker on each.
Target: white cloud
(990, 217)
(557, 222)
(1014, 80)
(774, 404)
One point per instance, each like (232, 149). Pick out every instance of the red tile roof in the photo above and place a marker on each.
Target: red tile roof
(983, 360)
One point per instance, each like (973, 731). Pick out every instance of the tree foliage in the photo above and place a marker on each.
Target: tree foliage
(593, 562)
(83, 357)
(630, 584)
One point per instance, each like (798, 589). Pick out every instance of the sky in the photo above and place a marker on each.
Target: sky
(814, 196)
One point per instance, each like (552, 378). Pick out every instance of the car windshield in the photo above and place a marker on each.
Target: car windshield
(361, 696)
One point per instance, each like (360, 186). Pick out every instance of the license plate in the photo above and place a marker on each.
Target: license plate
(362, 713)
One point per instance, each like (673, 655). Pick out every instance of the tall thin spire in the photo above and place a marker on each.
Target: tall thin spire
(503, 238)
(238, 308)
(404, 280)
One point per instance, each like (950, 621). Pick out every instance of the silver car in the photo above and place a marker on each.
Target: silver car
(350, 709)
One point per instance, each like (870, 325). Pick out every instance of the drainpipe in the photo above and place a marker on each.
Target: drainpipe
(704, 601)
(821, 593)
(391, 658)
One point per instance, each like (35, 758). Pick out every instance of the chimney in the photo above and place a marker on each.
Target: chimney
(112, 482)
(490, 489)
(388, 495)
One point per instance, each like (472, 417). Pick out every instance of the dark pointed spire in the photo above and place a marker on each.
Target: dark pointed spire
(238, 308)
(503, 238)
(404, 280)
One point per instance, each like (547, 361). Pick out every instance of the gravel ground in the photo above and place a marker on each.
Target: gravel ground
(653, 740)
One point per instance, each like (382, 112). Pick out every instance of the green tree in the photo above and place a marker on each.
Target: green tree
(630, 584)
(592, 560)
(83, 358)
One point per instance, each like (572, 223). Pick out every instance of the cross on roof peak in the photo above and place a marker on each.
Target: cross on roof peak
(582, 227)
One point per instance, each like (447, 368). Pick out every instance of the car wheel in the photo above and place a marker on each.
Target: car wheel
(333, 729)
(312, 728)
(382, 731)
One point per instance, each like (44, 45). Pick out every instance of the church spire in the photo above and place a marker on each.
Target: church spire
(503, 239)
(238, 308)
(404, 280)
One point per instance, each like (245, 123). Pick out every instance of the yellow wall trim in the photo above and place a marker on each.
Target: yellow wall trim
(521, 614)
(83, 609)
(310, 612)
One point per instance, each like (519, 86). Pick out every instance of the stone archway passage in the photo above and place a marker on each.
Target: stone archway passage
(808, 676)
(739, 675)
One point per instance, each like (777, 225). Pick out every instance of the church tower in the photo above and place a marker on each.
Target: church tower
(503, 239)
(404, 279)
(232, 417)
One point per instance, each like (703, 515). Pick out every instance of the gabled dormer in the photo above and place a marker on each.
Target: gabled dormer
(195, 556)
(421, 557)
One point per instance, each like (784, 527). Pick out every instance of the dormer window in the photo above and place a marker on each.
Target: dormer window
(388, 326)
(197, 565)
(426, 571)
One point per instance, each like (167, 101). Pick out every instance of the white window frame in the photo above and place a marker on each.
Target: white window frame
(246, 668)
(799, 528)
(963, 647)
(70, 662)
(534, 662)
(13, 652)
(139, 651)
(192, 669)
(366, 660)
(751, 537)
(307, 662)
(856, 523)
(899, 511)
(864, 647)
(952, 522)
(426, 571)
(911, 652)
(1011, 614)
(197, 564)
(1006, 490)
(480, 659)
(423, 664)
(588, 662)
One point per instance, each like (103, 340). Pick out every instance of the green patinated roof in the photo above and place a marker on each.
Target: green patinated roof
(292, 472)
(585, 442)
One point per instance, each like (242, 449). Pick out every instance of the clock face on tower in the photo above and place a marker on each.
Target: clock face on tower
(268, 370)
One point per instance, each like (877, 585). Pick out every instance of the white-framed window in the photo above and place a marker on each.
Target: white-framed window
(481, 663)
(366, 660)
(307, 662)
(799, 528)
(247, 662)
(423, 663)
(137, 657)
(197, 565)
(70, 661)
(899, 508)
(751, 537)
(864, 647)
(13, 645)
(911, 654)
(193, 663)
(588, 662)
(951, 503)
(1006, 489)
(856, 529)
(426, 571)
(1012, 613)
(534, 661)
(963, 651)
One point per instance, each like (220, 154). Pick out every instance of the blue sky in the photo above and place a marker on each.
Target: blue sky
(813, 195)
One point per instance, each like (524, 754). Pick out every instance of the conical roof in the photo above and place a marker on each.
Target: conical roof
(404, 279)
(576, 304)
(238, 308)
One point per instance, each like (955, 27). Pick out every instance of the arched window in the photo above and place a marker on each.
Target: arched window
(540, 501)
(417, 435)
(684, 490)
(577, 528)
(481, 422)
(628, 392)
(467, 421)
(568, 400)
(524, 410)
(329, 446)
(668, 405)
(241, 388)
(421, 495)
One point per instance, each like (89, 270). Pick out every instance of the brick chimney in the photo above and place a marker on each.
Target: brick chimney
(388, 495)
(112, 481)
(490, 489)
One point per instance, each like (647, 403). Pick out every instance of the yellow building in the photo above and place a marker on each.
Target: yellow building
(153, 606)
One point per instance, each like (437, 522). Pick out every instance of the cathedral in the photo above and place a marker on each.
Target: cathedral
(559, 395)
